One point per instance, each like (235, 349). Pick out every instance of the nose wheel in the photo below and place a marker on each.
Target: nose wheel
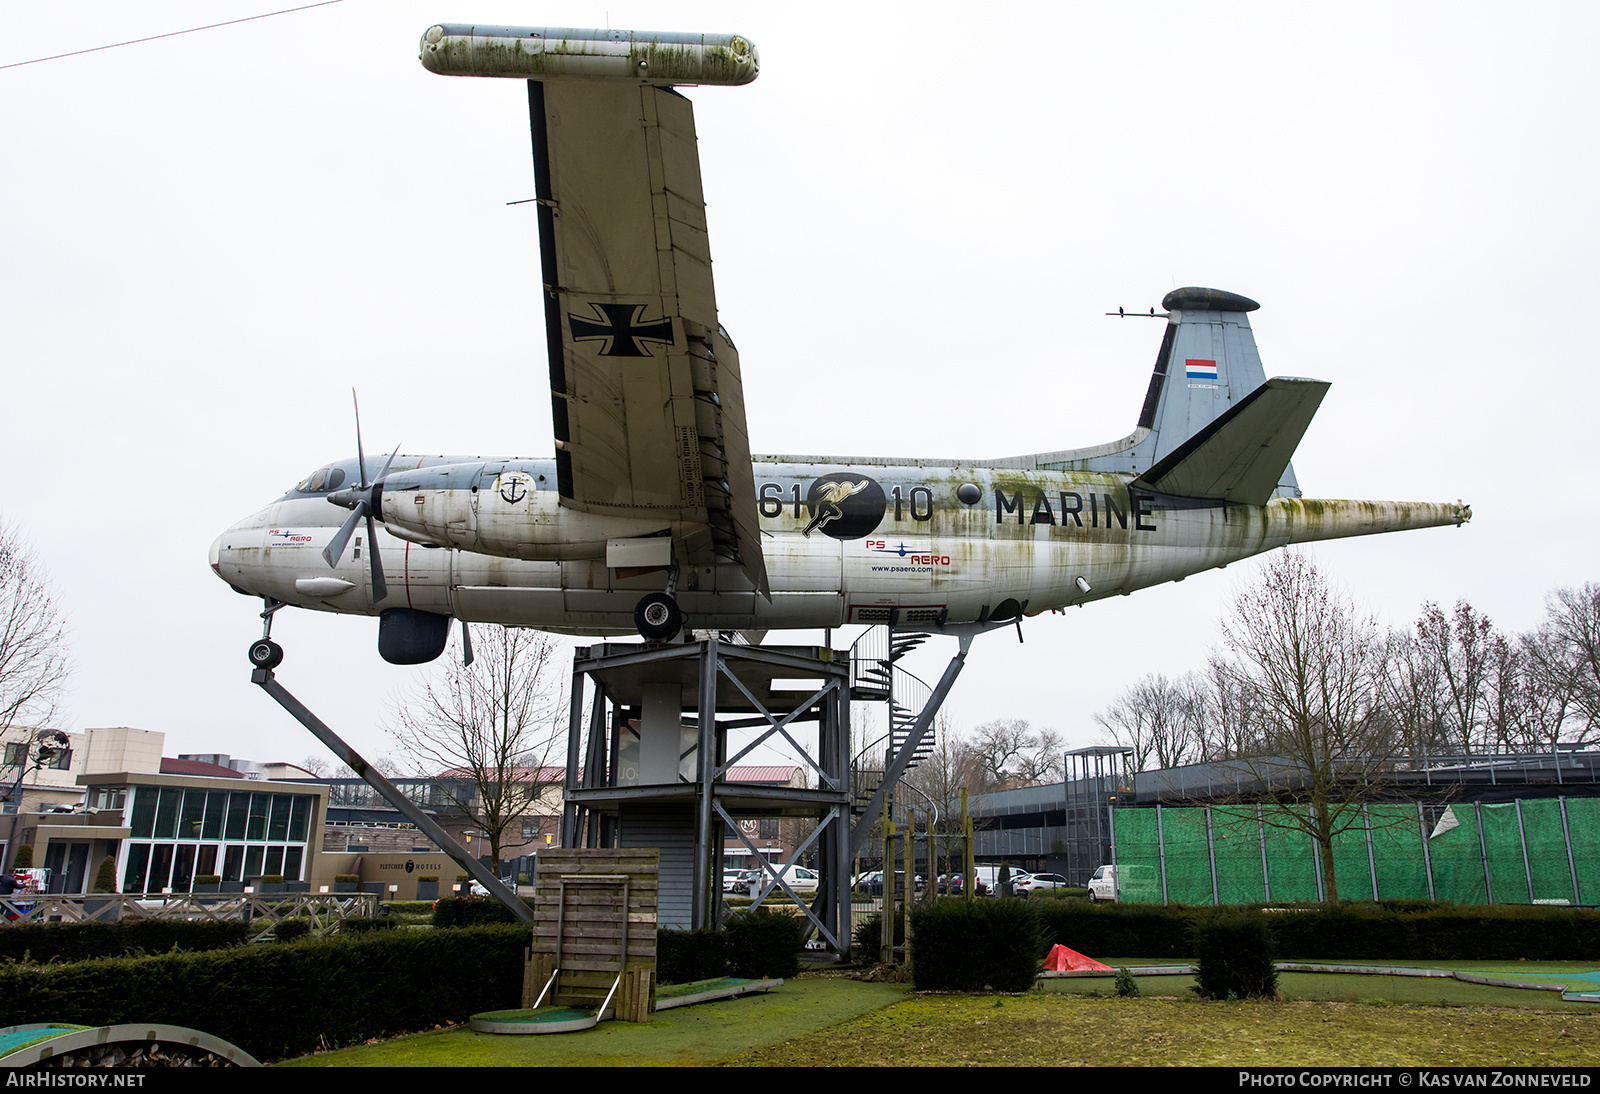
(658, 617)
(264, 652)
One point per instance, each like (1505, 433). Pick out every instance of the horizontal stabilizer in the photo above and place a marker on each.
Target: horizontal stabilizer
(1241, 456)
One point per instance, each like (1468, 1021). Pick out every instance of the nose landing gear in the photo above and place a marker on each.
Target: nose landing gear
(264, 652)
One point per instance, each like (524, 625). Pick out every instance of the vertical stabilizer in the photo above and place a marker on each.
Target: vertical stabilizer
(1207, 367)
(1208, 362)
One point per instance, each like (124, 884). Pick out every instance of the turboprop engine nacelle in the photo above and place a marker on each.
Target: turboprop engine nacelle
(500, 508)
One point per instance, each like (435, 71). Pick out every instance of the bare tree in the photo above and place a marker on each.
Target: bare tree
(951, 767)
(34, 660)
(486, 730)
(1459, 648)
(1311, 666)
(1565, 656)
(1010, 752)
(1158, 718)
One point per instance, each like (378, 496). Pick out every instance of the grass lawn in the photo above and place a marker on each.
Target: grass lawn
(703, 1034)
(829, 1020)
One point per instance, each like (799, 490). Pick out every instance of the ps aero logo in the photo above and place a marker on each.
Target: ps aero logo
(845, 506)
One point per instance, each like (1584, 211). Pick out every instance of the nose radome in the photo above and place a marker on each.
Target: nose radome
(216, 555)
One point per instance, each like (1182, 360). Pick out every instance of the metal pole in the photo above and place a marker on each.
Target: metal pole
(1266, 876)
(569, 809)
(1522, 837)
(1211, 856)
(1111, 828)
(710, 654)
(1372, 862)
(886, 916)
(1316, 863)
(403, 805)
(908, 843)
(1161, 853)
(968, 859)
(1572, 865)
(1427, 852)
(1483, 851)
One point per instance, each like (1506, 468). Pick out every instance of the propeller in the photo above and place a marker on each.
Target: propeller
(362, 501)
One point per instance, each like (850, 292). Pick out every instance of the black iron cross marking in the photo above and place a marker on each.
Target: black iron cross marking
(621, 329)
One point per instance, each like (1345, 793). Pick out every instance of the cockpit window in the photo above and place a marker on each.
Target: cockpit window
(321, 481)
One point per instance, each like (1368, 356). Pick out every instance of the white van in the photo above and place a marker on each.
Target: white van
(989, 876)
(1138, 883)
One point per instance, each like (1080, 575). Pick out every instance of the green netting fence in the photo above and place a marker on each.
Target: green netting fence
(1521, 852)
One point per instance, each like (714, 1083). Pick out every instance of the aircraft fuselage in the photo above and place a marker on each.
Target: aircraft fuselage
(915, 543)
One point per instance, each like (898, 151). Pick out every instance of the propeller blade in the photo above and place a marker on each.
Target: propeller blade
(380, 588)
(385, 472)
(361, 456)
(466, 645)
(334, 551)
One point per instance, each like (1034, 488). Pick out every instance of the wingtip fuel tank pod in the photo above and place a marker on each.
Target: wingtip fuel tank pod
(535, 53)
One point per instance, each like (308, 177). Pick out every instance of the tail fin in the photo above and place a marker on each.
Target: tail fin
(1212, 426)
(1242, 456)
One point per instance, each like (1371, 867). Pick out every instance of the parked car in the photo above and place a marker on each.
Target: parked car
(799, 878)
(1124, 883)
(733, 880)
(1035, 882)
(873, 883)
(988, 877)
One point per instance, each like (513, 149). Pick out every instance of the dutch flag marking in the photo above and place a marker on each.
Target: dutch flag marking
(1199, 369)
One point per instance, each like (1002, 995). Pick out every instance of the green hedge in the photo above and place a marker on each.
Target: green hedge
(764, 943)
(1233, 955)
(1418, 931)
(1119, 930)
(683, 957)
(292, 930)
(961, 945)
(1351, 931)
(868, 935)
(277, 1001)
(44, 942)
(472, 911)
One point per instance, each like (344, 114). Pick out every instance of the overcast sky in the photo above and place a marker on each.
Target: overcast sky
(918, 215)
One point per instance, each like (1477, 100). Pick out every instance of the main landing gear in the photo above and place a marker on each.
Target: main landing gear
(264, 652)
(658, 617)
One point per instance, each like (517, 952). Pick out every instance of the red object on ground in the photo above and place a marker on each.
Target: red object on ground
(1061, 959)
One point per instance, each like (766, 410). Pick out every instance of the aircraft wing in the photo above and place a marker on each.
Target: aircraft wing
(644, 383)
(1241, 456)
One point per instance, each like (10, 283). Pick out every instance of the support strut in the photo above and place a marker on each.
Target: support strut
(391, 794)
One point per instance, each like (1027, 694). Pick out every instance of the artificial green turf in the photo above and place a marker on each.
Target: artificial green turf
(1355, 987)
(698, 1034)
(803, 1010)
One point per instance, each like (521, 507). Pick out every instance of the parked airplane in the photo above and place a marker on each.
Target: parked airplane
(653, 513)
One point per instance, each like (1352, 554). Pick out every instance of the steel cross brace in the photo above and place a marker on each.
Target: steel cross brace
(391, 794)
(777, 876)
(779, 724)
